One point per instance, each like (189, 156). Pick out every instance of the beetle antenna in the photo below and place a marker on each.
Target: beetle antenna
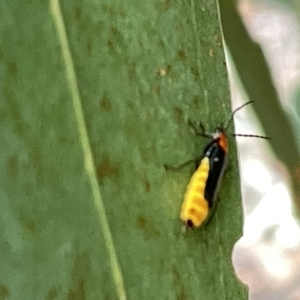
(252, 135)
(236, 110)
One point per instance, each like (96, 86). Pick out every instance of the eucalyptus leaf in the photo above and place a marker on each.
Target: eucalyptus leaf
(95, 98)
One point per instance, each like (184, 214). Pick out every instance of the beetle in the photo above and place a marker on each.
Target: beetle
(200, 198)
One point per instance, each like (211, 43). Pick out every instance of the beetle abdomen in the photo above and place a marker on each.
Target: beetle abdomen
(195, 207)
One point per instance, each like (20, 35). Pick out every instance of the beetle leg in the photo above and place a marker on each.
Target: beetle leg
(195, 131)
(201, 125)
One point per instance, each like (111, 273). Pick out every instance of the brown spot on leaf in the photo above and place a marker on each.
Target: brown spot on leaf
(196, 101)
(78, 13)
(168, 68)
(12, 69)
(156, 89)
(4, 292)
(53, 293)
(88, 46)
(110, 44)
(178, 284)
(181, 54)
(28, 224)
(162, 6)
(178, 113)
(147, 185)
(81, 268)
(167, 5)
(105, 104)
(113, 30)
(113, 10)
(146, 182)
(148, 227)
(106, 168)
(141, 221)
(194, 71)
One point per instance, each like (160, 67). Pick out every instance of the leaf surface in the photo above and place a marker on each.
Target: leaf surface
(141, 69)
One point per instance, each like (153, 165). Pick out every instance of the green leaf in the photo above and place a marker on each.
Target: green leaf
(95, 99)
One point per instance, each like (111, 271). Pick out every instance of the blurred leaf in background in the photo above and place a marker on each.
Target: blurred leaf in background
(263, 41)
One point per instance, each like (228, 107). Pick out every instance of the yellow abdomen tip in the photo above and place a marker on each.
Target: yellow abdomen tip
(195, 207)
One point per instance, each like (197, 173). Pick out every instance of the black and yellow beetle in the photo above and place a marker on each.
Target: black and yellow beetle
(201, 194)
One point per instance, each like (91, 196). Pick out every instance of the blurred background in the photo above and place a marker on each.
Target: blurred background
(267, 257)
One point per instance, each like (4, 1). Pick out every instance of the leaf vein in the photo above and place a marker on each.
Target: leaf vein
(86, 147)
